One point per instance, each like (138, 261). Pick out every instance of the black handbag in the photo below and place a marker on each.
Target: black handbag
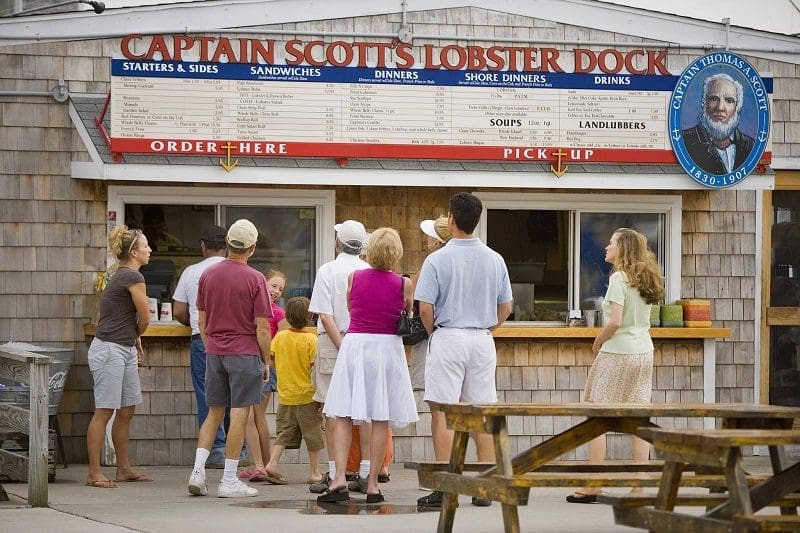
(410, 328)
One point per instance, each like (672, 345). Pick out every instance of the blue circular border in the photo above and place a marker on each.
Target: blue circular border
(740, 66)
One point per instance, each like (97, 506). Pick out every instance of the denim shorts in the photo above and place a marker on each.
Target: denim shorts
(271, 385)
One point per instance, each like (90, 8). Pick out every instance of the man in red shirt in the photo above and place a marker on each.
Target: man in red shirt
(233, 307)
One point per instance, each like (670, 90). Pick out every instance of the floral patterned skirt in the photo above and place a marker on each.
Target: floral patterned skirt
(620, 378)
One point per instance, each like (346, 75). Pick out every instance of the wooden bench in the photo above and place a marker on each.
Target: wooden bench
(728, 512)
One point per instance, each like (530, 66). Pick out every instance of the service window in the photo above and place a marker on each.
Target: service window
(295, 229)
(554, 246)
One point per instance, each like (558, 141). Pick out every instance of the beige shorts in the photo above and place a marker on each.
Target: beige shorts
(323, 367)
(294, 423)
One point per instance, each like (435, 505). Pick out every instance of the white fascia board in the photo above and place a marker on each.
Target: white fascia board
(80, 128)
(398, 178)
(215, 16)
(785, 163)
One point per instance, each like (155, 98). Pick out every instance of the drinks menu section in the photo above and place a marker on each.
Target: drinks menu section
(344, 106)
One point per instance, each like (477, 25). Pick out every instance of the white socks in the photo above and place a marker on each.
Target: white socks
(229, 476)
(363, 469)
(332, 469)
(200, 458)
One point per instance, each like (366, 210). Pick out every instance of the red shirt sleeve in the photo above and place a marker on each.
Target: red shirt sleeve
(261, 305)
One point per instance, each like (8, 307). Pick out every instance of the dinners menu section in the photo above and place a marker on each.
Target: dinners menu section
(349, 112)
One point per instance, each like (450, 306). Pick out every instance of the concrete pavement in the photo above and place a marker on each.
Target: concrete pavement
(166, 506)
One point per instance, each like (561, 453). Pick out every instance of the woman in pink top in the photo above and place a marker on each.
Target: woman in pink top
(370, 381)
(258, 442)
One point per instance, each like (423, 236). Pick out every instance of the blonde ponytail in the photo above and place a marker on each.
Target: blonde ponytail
(121, 241)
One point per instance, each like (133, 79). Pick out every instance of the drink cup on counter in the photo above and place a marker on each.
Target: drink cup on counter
(166, 311)
(153, 305)
(590, 317)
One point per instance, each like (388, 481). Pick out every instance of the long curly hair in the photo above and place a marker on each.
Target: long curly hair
(639, 264)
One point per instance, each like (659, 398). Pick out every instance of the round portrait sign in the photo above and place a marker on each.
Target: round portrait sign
(719, 119)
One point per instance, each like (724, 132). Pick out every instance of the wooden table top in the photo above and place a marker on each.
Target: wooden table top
(620, 410)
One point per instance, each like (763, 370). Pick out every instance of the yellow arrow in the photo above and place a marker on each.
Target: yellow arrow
(560, 171)
(228, 165)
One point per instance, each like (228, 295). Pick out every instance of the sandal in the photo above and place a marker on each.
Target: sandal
(332, 496)
(247, 473)
(275, 479)
(375, 498)
(101, 484)
(579, 497)
(137, 477)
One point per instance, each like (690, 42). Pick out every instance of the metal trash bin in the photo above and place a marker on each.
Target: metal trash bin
(18, 394)
(62, 360)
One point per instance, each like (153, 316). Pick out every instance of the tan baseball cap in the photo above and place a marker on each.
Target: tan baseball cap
(242, 234)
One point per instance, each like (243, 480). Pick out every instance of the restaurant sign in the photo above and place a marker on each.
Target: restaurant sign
(225, 97)
(719, 119)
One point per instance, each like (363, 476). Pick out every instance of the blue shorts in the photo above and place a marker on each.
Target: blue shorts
(271, 385)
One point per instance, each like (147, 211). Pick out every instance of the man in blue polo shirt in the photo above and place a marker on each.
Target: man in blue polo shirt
(464, 291)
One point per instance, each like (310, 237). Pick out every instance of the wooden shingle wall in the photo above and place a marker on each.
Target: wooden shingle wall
(53, 231)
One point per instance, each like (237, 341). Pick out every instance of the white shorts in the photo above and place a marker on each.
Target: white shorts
(115, 371)
(460, 366)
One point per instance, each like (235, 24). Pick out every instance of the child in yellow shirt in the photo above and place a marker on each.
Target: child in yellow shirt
(292, 352)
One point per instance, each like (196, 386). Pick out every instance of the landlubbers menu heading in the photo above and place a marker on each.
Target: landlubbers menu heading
(392, 54)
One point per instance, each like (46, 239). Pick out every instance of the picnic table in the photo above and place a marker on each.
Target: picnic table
(734, 511)
(509, 479)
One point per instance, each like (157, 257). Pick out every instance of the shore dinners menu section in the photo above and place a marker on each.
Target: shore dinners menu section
(303, 111)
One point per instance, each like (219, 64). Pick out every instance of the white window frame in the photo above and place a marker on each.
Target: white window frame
(669, 205)
(324, 202)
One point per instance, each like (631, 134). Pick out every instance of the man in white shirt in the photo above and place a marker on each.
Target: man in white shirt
(329, 301)
(184, 310)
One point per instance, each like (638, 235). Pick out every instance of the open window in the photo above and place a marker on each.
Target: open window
(554, 246)
(295, 229)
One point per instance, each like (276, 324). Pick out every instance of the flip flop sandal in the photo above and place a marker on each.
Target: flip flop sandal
(579, 497)
(248, 473)
(375, 498)
(383, 478)
(102, 484)
(333, 496)
(137, 479)
(269, 478)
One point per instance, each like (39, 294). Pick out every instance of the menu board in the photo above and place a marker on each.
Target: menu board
(275, 110)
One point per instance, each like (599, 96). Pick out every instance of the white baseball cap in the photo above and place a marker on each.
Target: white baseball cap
(242, 234)
(429, 229)
(351, 230)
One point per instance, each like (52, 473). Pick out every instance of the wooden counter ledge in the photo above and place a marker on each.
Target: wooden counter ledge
(523, 332)
(176, 329)
(157, 329)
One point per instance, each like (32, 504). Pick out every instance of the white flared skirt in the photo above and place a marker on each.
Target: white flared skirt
(370, 381)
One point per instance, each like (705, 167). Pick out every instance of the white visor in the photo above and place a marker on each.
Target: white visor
(427, 227)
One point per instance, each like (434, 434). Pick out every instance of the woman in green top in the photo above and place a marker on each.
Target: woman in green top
(622, 371)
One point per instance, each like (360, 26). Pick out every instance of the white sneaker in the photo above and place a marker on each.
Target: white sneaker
(198, 484)
(237, 489)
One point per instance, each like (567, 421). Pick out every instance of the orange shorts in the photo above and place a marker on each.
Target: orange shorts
(354, 455)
